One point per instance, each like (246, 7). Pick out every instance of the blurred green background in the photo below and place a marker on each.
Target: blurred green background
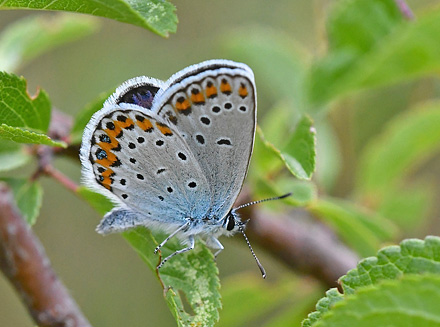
(107, 279)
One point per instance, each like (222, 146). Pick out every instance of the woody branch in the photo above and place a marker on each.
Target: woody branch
(24, 262)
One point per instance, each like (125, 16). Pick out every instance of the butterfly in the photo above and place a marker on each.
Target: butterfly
(173, 155)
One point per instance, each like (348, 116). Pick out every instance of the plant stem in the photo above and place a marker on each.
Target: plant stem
(61, 178)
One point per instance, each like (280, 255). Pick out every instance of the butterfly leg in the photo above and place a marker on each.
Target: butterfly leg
(215, 244)
(190, 247)
(171, 235)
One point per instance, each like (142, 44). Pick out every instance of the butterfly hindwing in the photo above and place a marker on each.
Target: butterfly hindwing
(144, 165)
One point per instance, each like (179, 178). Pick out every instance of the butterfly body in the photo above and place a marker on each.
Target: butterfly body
(173, 155)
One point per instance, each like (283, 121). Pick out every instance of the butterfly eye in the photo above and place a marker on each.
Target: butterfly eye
(231, 223)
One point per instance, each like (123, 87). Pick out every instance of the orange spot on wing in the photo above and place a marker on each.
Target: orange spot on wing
(107, 180)
(225, 87)
(164, 129)
(182, 104)
(108, 146)
(124, 124)
(107, 162)
(242, 91)
(211, 91)
(113, 132)
(198, 98)
(145, 125)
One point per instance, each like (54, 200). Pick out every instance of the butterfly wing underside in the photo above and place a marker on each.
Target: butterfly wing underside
(138, 160)
(213, 106)
(184, 154)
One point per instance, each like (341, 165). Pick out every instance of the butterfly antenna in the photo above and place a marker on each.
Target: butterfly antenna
(240, 227)
(264, 200)
(263, 272)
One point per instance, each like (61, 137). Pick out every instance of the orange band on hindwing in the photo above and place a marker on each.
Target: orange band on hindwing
(164, 129)
(225, 87)
(197, 97)
(105, 178)
(106, 158)
(127, 123)
(242, 91)
(144, 123)
(113, 130)
(108, 143)
(211, 90)
(183, 105)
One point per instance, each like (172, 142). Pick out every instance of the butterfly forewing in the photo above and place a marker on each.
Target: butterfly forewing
(141, 162)
(215, 112)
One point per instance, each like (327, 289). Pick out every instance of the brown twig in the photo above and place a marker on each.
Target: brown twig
(305, 245)
(61, 178)
(24, 262)
(59, 129)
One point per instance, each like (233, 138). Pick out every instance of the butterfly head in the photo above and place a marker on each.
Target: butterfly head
(232, 222)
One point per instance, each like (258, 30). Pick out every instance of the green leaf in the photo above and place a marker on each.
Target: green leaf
(21, 135)
(279, 63)
(28, 196)
(328, 166)
(413, 256)
(28, 38)
(298, 153)
(276, 125)
(84, 116)
(280, 123)
(23, 119)
(266, 165)
(18, 108)
(155, 15)
(264, 159)
(361, 24)
(410, 301)
(410, 52)
(193, 274)
(408, 208)
(362, 230)
(98, 201)
(332, 296)
(386, 51)
(12, 155)
(300, 150)
(355, 30)
(407, 142)
(295, 311)
(249, 298)
(303, 192)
